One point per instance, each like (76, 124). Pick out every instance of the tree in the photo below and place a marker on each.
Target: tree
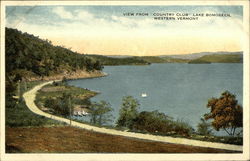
(153, 122)
(128, 112)
(61, 105)
(97, 65)
(65, 104)
(100, 113)
(64, 81)
(226, 113)
(204, 127)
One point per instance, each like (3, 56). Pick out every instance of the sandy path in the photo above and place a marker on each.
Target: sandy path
(29, 98)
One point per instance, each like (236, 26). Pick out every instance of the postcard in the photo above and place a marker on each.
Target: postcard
(124, 80)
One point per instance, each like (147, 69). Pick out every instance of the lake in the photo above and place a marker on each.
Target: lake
(179, 90)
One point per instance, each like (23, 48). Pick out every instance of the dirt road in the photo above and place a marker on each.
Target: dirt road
(30, 96)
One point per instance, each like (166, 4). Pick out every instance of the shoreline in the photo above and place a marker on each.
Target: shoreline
(79, 74)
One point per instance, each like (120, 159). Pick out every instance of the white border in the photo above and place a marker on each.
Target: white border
(129, 156)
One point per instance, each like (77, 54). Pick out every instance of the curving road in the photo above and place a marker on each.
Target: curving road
(30, 96)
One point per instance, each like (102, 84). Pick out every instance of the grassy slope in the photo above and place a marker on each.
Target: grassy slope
(52, 91)
(21, 116)
(80, 96)
(222, 58)
(75, 140)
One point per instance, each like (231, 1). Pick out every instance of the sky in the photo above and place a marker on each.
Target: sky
(106, 30)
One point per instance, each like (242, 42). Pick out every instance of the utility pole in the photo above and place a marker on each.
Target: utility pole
(19, 91)
(25, 85)
(70, 111)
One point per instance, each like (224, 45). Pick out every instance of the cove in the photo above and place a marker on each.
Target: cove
(179, 90)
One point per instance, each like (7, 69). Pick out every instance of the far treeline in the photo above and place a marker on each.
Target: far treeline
(216, 57)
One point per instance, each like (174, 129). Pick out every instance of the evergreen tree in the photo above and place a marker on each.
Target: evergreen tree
(128, 112)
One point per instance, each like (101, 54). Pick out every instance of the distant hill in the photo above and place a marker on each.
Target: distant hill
(117, 56)
(157, 59)
(107, 60)
(174, 60)
(196, 58)
(222, 57)
(219, 58)
(152, 59)
(198, 55)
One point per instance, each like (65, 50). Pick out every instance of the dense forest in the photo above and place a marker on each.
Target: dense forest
(40, 57)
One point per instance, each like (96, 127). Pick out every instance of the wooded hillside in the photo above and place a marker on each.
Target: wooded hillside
(29, 55)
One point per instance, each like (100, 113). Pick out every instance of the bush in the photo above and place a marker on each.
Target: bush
(204, 128)
(182, 128)
(55, 83)
(160, 123)
(152, 122)
(60, 105)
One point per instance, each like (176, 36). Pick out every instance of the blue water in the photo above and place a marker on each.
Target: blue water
(179, 90)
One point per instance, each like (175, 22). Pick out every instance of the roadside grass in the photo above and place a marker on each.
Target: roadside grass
(219, 139)
(20, 116)
(193, 136)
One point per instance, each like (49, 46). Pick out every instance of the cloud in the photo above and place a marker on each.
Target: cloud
(83, 15)
(62, 13)
(110, 29)
(77, 15)
(16, 21)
